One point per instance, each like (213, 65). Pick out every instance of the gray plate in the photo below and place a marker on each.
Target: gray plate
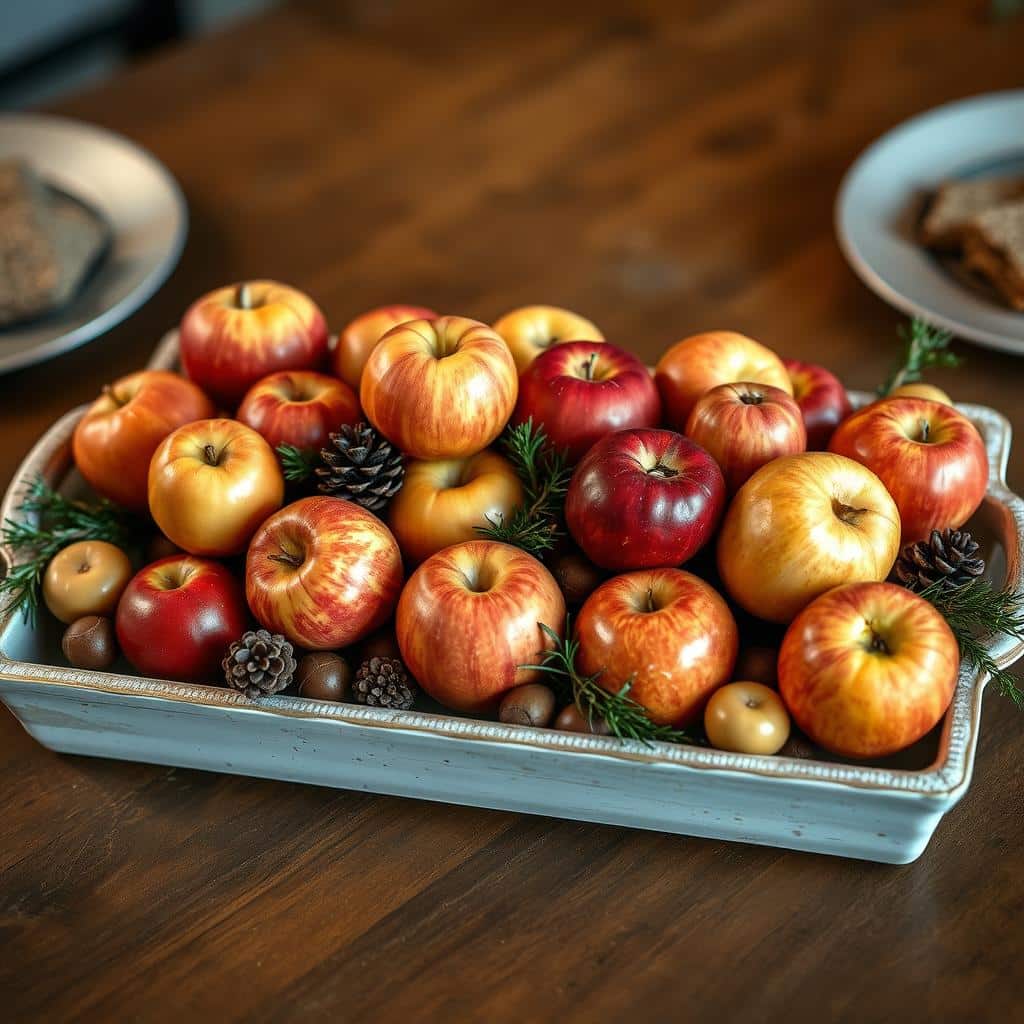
(139, 199)
(882, 197)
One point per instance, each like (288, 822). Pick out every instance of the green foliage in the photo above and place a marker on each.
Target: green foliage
(297, 464)
(924, 347)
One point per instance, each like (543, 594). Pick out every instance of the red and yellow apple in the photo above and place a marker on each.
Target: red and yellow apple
(580, 391)
(801, 525)
(930, 457)
(531, 330)
(440, 389)
(665, 630)
(468, 621)
(324, 572)
(232, 337)
(868, 669)
(211, 483)
(644, 498)
(701, 362)
(444, 501)
(919, 389)
(177, 617)
(115, 440)
(299, 407)
(744, 426)
(822, 398)
(360, 337)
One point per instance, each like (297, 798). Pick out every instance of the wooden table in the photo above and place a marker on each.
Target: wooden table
(663, 171)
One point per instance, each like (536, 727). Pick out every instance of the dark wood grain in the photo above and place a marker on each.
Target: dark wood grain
(663, 168)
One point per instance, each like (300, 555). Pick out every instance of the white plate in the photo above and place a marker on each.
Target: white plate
(883, 192)
(140, 200)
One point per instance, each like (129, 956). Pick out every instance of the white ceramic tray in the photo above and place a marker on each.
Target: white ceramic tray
(879, 812)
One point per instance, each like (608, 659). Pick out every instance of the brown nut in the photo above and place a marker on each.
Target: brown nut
(571, 719)
(381, 644)
(748, 718)
(89, 642)
(532, 704)
(576, 576)
(86, 578)
(323, 676)
(758, 665)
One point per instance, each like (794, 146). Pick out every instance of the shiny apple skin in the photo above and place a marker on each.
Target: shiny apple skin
(747, 718)
(668, 631)
(360, 337)
(227, 347)
(822, 398)
(801, 525)
(177, 617)
(744, 426)
(468, 619)
(324, 572)
(937, 483)
(580, 391)
(213, 508)
(299, 407)
(625, 514)
(442, 502)
(853, 699)
(703, 361)
(115, 439)
(532, 330)
(440, 389)
(918, 389)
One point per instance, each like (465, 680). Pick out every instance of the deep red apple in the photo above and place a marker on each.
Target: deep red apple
(177, 617)
(822, 398)
(644, 498)
(930, 457)
(744, 426)
(581, 390)
(298, 407)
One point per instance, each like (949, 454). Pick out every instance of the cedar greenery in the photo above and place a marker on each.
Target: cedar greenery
(536, 524)
(297, 464)
(625, 717)
(925, 346)
(52, 522)
(976, 612)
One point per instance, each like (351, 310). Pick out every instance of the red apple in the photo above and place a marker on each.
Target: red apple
(668, 632)
(580, 391)
(177, 617)
(324, 572)
(801, 525)
(701, 362)
(744, 426)
(468, 619)
(234, 336)
(440, 389)
(644, 498)
(115, 440)
(822, 399)
(930, 457)
(360, 337)
(211, 483)
(531, 330)
(868, 669)
(299, 407)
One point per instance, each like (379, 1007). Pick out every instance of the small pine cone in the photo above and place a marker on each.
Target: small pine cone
(259, 664)
(383, 683)
(362, 466)
(949, 557)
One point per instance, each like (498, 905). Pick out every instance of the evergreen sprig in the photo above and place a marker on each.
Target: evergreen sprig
(625, 717)
(924, 347)
(977, 612)
(52, 522)
(297, 464)
(534, 525)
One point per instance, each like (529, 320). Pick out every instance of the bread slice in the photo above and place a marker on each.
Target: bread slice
(957, 202)
(994, 247)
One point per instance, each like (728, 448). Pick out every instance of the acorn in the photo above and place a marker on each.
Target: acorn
(531, 704)
(89, 642)
(576, 576)
(323, 676)
(571, 719)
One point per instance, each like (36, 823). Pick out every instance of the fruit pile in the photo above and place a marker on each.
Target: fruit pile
(416, 504)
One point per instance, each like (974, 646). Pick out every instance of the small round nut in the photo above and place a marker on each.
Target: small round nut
(532, 704)
(89, 642)
(323, 676)
(571, 719)
(577, 577)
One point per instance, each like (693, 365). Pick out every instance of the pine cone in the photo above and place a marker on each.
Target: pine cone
(259, 664)
(383, 683)
(362, 466)
(948, 557)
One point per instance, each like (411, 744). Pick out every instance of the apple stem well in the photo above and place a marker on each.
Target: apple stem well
(244, 296)
(925, 431)
(876, 642)
(287, 558)
(211, 455)
(588, 367)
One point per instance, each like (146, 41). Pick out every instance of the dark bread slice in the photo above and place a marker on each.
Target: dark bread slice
(994, 247)
(957, 202)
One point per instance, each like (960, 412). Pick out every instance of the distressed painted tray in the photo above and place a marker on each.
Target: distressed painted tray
(883, 812)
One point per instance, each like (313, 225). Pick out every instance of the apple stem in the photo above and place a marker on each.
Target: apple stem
(588, 367)
(650, 600)
(243, 296)
(287, 558)
(877, 643)
(211, 455)
(925, 430)
(110, 393)
(663, 471)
